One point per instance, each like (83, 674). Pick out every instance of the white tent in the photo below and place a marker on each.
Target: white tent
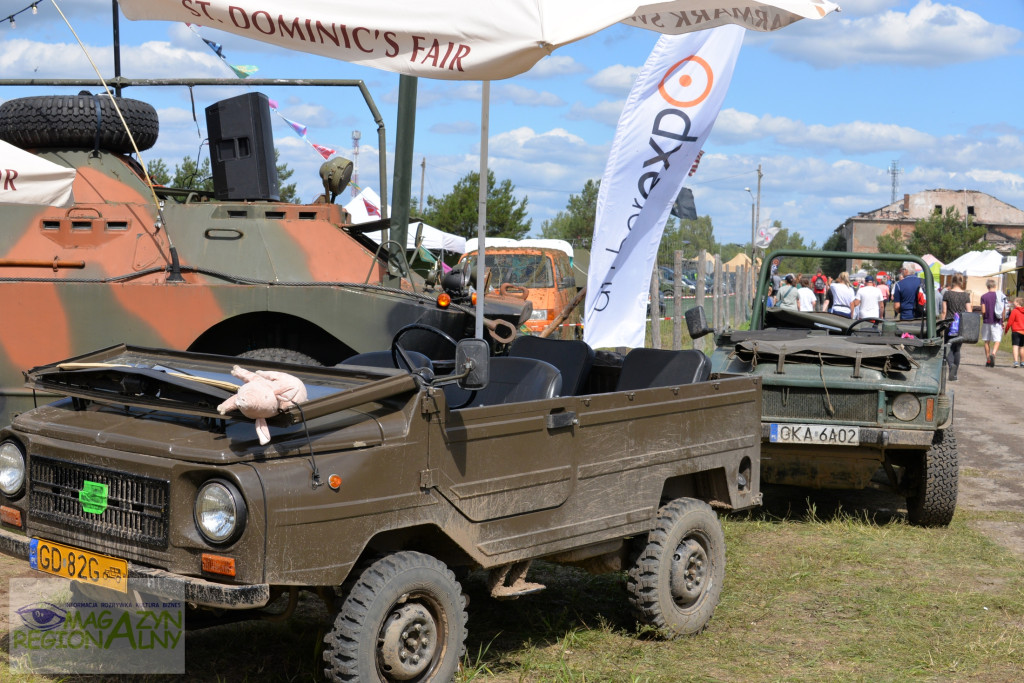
(365, 207)
(974, 264)
(28, 179)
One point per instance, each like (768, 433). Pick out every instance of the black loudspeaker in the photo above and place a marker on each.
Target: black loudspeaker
(242, 149)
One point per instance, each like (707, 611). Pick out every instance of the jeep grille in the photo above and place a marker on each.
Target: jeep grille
(137, 508)
(800, 403)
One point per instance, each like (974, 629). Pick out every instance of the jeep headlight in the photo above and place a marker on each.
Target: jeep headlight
(12, 468)
(906, 407)
(219, 511)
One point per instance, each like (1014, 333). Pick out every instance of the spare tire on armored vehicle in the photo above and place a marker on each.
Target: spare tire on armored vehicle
(79, 121)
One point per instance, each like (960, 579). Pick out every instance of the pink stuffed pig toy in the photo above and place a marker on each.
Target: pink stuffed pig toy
(264, 394)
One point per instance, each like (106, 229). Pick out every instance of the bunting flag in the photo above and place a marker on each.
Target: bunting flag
(371, 210)
(217, 48)
(325, 152)
(297, 127)
(243, 70)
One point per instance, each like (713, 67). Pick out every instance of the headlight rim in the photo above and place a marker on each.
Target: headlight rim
(19, 490)
(241, 512)
(903, 414)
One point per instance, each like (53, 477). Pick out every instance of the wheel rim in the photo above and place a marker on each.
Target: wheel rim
(409, 643)
(691, 572)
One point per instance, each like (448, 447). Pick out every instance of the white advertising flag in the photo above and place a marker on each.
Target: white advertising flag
(667, 117)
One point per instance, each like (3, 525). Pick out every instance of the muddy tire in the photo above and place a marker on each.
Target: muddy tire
(404, 619)
(933, 482)
(70, 121)
(676, 581)
(280, 355)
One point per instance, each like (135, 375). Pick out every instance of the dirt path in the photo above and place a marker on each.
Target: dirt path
(989, 422)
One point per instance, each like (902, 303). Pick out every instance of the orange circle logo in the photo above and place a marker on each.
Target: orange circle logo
(686, 81)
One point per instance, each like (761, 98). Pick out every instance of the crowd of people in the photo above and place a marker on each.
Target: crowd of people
(878, 296)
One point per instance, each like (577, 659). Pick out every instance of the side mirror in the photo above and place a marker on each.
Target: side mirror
(970, 327)
(568, 281)
(696, 323)
(473, 362)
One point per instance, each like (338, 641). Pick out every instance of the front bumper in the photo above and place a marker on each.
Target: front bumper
(196, 591)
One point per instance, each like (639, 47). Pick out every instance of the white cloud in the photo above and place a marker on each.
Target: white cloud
(517, 94)
(930, 34)
(614, 80)
(154, 59)
(554, 65)
(603, 112)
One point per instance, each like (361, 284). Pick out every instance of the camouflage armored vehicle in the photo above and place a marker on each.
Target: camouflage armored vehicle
(231, 272)
(850, 404)
(622, 478)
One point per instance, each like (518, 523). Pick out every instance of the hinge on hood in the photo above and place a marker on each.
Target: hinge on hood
(780, 366)
(427, 479)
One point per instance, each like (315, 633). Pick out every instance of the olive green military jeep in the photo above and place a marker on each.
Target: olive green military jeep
(383, 481)
(853, 403)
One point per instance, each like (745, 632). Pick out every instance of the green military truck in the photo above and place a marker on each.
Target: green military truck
(851, 404)
(374, 489)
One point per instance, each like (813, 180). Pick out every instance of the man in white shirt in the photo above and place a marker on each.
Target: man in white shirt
(868, 301)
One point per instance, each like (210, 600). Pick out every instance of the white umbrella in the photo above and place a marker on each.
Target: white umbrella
(365, 207)
(28, 179)
(461, 39)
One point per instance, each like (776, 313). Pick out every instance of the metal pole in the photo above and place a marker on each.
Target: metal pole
(655, 307)
(677, 296)
(405, 133)
(117, 46)
(423, 176)
(481, 223)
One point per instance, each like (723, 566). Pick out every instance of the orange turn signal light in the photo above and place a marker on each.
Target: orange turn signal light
(472, 298)
(929, 409)
(334, 481)
(218, 564)
(443, 300)
(9, 515)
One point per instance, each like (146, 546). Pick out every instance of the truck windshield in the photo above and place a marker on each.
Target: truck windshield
(526, 270)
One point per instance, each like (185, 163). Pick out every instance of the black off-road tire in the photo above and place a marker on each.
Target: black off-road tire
(933, 483)
(280, 355)
(70, 121)
(676, 582)
(386, 618)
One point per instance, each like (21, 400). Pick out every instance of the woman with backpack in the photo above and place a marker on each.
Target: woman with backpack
(955, 302)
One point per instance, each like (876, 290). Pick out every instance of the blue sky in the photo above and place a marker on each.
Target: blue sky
(824, 106)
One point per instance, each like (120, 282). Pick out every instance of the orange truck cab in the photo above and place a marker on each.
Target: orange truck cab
(539, 270)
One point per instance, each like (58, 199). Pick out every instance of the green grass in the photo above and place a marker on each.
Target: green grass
(806, 598)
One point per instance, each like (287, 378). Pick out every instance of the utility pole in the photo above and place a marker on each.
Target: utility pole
(757, 216)
(423, 175)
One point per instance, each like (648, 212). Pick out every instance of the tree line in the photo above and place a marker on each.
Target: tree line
(945, 235)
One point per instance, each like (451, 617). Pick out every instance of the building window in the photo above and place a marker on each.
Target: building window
(970, 210)
(938, 208)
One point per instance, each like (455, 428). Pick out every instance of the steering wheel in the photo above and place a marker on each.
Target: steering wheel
(401, 359)
(849, 330)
